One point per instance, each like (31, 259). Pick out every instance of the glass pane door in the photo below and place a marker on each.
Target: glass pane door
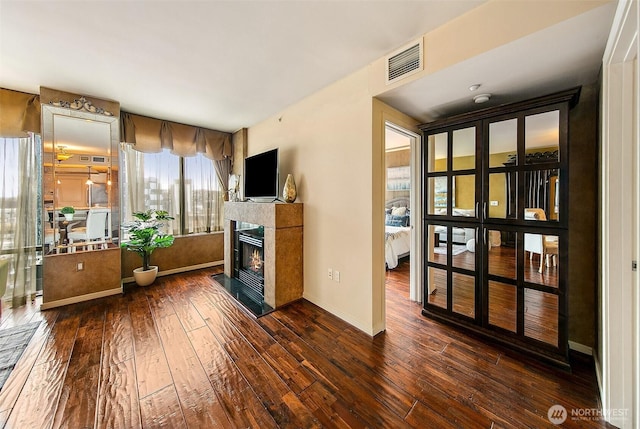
(521, 212)
(452, 225)
(495, 223)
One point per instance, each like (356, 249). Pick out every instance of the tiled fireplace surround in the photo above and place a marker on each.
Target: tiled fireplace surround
(283, 234)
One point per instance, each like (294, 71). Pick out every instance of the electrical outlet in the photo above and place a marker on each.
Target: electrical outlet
(80, 266)
(330, 273)
(494, 203)
(336, 276)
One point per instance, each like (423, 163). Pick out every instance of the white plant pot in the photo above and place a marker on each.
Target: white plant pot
(145, 278)
(68, 217)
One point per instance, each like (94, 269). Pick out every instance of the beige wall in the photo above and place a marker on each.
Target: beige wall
(62, 281)
(239, 142)
(325, 142)
(382, 114)
(187, 251)
(333, 144)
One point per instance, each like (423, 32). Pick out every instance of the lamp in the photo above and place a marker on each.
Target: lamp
(89, 181)
(62, 154)
(109, 176)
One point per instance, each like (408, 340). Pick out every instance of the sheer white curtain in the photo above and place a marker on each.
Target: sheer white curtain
(203, 197)
(20, 182)
(152, 181)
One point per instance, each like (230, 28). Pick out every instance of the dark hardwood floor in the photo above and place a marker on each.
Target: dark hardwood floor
(541, 309)
(182, 353)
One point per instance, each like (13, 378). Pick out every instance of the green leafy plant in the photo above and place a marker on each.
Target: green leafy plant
(146, 235)
(67, 210)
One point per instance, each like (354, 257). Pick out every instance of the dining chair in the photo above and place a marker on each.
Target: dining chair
(97, 227)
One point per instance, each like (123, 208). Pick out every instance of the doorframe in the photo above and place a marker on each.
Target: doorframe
(415, 252)
(618, 353)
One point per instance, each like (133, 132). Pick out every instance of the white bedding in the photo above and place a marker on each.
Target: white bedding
(397, 244)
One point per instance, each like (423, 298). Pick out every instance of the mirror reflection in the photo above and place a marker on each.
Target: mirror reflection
(437, 144)
(80, 182)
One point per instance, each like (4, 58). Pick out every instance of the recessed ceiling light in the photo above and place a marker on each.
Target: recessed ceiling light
(474, 87)
(481, 98)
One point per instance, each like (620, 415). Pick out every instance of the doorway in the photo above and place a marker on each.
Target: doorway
(618, 354)
(402, 204)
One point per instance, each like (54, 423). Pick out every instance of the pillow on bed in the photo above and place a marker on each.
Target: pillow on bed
(392, 220)
(398, 211)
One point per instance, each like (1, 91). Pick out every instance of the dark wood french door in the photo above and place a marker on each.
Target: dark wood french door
(496, 225)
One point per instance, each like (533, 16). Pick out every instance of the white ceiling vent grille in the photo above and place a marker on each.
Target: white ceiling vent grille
(404, 62)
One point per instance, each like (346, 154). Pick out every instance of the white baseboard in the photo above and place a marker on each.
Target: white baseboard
(180, 270)
(581, 348)
(598, 366)
(80, 298)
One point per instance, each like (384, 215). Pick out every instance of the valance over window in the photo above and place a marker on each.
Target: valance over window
(151, 135)
(19, 113)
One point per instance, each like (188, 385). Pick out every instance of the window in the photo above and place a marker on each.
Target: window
(186, 187)
(203, 196)
(20, 184)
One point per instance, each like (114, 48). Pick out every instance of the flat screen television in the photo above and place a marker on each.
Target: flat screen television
(261, 176)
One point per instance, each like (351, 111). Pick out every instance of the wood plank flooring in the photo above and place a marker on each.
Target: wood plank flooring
(183, 354)
(541, 309)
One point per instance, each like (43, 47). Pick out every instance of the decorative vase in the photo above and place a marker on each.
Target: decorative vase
(68, 217)
(289, 193)
(145, 278)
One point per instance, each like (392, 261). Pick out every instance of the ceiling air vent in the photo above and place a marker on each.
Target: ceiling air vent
(404, 62)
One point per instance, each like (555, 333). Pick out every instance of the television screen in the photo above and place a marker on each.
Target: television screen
(261, 175)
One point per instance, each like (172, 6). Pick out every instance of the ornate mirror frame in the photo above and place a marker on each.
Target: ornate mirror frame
(78, 274)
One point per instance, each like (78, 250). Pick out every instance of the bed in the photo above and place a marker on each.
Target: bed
(397, 229)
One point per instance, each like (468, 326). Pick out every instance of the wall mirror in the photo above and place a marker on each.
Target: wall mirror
(80, 167)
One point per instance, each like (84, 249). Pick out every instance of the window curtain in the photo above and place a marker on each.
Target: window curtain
(20, 113)
(151, 183)
(20, 183)
(203, 197)
(223, 170)
(150, 135)
(20, 160)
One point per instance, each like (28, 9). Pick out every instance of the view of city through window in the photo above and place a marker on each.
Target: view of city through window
(159, 183)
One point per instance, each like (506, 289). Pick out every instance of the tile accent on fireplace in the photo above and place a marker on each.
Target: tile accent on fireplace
(243, 294)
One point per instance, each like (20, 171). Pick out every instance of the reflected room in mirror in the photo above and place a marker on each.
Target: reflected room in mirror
(80, 178)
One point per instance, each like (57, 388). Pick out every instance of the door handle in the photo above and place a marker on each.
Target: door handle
(477, 207)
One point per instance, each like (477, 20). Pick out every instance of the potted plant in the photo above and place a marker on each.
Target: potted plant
(146, 235)
(68, 212)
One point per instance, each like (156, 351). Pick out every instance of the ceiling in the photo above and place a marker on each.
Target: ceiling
(563, 56)
(218, 64)
(231, 64)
